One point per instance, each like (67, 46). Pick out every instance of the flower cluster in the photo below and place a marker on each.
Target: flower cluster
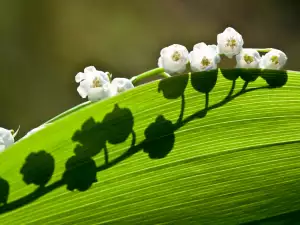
(97, 85)
(176, 59)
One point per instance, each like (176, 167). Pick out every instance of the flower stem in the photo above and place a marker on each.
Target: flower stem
(14, 133)
(262, 50)
(165, 75)
(150, 73)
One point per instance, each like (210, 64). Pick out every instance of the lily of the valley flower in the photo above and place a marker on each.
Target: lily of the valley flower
(93, 84)
(248, 58)
(204, 57)
(96, 84)
(230, 42)
(6, 138)
(122, 84)
(173, 59)
(274, 59)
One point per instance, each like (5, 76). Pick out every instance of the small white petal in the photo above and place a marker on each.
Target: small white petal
(213, 48)
(163, 51)
(230, 30)
(104, 76)
(6, 139)
(89, 69)
(111, 89)
(160, 62)
(180, 48)
(122, 84)
(79, 77)
(82, 92)
(200, 46)
(83, 88)
(95, 94)
(106, 91)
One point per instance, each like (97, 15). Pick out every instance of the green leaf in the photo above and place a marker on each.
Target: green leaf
(217, 147)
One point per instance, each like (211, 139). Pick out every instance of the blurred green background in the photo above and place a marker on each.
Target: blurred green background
(44, 43)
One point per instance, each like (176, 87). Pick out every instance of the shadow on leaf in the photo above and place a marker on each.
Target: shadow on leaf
(80, 173)
(118, 125)
(173, 87)
(115, 128)
(160, 138)
(4, 191)
(274, 80)
(204, 81)
(38, 168)
(29, 198)
(91, 137)
(230, 74)
(247, 75)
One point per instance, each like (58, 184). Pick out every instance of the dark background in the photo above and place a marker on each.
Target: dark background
(44, 43)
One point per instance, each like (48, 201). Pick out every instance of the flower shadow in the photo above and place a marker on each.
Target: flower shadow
(274, 80)
(4, 191)
(38, 168)
(173, 88)
(80, 174)
(160, 138)
(116, 127)
(91, 139)
(204, 82)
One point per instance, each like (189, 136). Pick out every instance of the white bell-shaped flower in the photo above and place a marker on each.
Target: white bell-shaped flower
(173, 59)
(122, 84)
(274, 59)
(230, 42)
(6, 138)
(204, 57)
(94, 84)
(106, 91)
(248, 58)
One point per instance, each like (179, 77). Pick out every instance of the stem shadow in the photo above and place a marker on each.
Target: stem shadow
(116, 127)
